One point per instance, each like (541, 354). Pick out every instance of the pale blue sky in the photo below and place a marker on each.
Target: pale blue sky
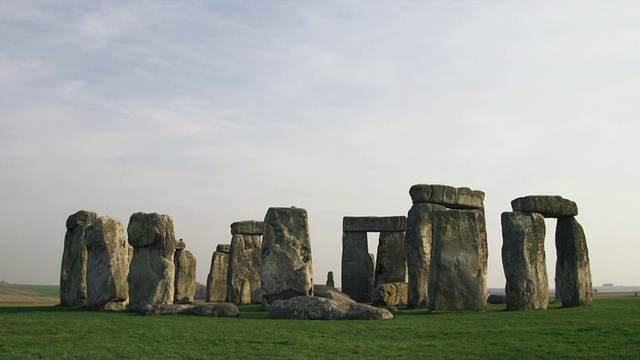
(214, 111)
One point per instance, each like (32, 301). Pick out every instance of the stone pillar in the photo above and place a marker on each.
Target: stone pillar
(73, 273)
(185, 280)
(152, 273)
(286, 255)
(458, 273)
(391, 263)
(524, 261)
(218, 274)
(417, 247)
(573, 261)
(330, 279)
(357, 266)
(107, 265)
(245, 259)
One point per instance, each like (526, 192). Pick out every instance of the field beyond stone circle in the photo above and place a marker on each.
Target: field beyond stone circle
(608, 329)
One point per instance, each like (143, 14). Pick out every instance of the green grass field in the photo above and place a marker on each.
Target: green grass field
(608, 329)
(28, 295)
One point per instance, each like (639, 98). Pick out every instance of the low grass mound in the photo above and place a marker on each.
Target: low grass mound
(28, 295)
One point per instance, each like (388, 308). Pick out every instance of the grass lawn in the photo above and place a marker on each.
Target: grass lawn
(608, 329)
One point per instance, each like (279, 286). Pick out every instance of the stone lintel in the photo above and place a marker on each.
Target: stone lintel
(550, 206)
(247, 227)
(223, 248)
(449, 196)
(374, 223)
(180, 245)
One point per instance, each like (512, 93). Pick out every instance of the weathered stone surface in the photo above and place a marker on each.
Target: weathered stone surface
(152, 231)
(218, 276)
(524, 261)
(213, 309)
(73, 272)
(316, 308)
(357, 266)
(573, 258)
(391, 263)
(330, 292)
(495, 299)
(373, 223)
(248, 227)
(185, 281)
(286, 255)
(107, 265)
(151, 278)
(245, 259)
(449, 196)
(458, 274)
(552, 206)
(224, 248)
(417, 247)
(180, 245)
(330, 281)
(391, 294)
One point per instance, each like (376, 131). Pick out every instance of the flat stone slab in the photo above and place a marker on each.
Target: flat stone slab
(248, 227)
(316, 308)
(223, 248)
(213, 309)
(374, 223)
(449, 196)
(550, 206)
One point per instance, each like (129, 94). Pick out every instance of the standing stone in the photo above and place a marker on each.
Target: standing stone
(417, 247)
(458, 274)
(391, 263)
(390, 294)
(218, 274)
(73, 273)
(330, 281)
(185, 281)
(524, 261)
(286, 255)
(573, 260)
(152, 272)
(357, 266)
(558, 280)
(245, 259)
(107, 265)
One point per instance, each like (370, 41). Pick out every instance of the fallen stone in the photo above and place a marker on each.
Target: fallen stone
(495, 299)
(218, 276)
(391, 294)
(73, 272)
(248, 227)
(367, 312)
(551, 206)
(392, 309)
(329, 292)
(573, 257)
(107, 265)
(212, 309)
(373, 223)
(391, 263)
(286, 269)
(524, 261)
(449, 196)
(357, 266)
(185, 279)
(315, 308)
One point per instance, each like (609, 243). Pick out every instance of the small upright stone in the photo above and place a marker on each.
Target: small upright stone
(551, 206)
(107, 265)
(330, 281)
(185, 281)
(286, 255)
(218, 274)
(73, 273)
(573, 261)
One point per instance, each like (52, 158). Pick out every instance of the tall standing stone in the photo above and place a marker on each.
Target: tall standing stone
(391, 263)
(573, 261)
(245, 259)
(458, 273)
(185, 279)
(286, 255)
(218, 274)
(524, 261)
(417, 247)
(357, 266)
(152, 273)
(107, 265)
(73, 273)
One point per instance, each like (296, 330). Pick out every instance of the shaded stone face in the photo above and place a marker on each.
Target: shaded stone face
(547, 205)
(245, 259)
(573, 263)
(417, 247)
(373, 223)
(391, 294)
(185, 281)
(107, 265)
(357, 266)
(391, 264)
(217, 279)
(152, 230)
(248, 227)
(458, 273)
(524, 261)
(286, 255)
(73, 272)
(449, 196)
